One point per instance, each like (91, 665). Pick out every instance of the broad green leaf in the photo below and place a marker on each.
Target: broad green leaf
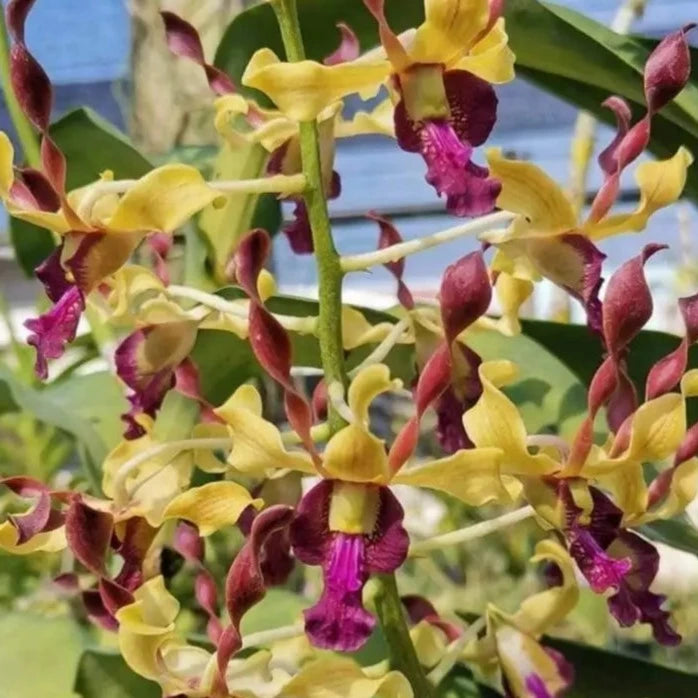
(91, 145)
(176, 417)
(103, 674)
(98, 398)
(604, 674)
(678, 533)
(39, 655)
(51, 411)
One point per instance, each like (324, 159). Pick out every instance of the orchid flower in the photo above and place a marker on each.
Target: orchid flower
(441, 78)
(547, 238)
(511, 643)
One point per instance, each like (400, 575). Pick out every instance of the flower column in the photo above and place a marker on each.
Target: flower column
(388, 605)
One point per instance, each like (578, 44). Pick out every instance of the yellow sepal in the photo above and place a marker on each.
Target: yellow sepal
(491, 58)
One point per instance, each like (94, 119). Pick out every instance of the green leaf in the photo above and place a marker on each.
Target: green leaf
(52, 410)
(604, 674)
(91, 145)
(278, 608)
(39, 655)
(679, 533)
(176, 417)
(106, 675)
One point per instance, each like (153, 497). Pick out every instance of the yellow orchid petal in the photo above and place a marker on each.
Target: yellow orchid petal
(429, 643)
(7, 157)
(527, 190)
(162, 200)
(205, 459)
(368, 384)
(332, 677)
(257, 446)
(449, 30)
(145, 625)
(378, 120)
(661, 184)
(511, 293)
(126, 286)
(491, 58)
(544, 610)
(185, 669)
(495, 422)
(55, 221)
(49, 542)
(689, 383)
(521, 657)
(357, 330)
(212, 506)
(302, 90)
(355, 455)
(256, 676)
(628, 488)
(469, 475)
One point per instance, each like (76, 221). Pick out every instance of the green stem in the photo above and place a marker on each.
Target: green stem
(25, 132)
(402, 653)
(328, 262)
(389, 608)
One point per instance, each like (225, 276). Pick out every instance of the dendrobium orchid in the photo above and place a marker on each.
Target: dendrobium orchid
(440, 79)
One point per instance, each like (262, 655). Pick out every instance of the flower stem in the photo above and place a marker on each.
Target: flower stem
(25, 132)
(478, 530)
(359, 262)
(402, 653)
(330, 274)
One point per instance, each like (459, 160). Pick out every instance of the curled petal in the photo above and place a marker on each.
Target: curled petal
(250, 258)
(54, 329)
(244, 586)
(183, 40)
(302, 90)
(389, 235)
(89, 533)
(621, 110)
(627, 303)
(349, 48)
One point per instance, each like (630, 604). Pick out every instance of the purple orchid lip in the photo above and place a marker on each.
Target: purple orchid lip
(338, 620)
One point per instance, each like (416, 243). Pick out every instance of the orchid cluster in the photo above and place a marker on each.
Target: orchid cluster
(318, 491)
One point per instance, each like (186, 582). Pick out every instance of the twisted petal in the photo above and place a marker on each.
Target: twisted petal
(495, 422)
(162, 200)
(661, 183)
(527, 190)
(337, 676)
(302, 90)
(212, 506)
(491, 58)
(257, 446)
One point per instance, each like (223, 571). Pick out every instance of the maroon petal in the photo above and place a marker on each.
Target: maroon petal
(183, 40)
(54, 329)
(207, 597)
(348, 49)
(634, 602)
(450, 431)
(389, 235)
(34, 521)
(621, 110)
(627, 303)
(113, 595)
(465, 294)
(43, 195)
(245, 585)
(297, 231)
(386, 547)
(310, 534)
(418, 609)
(622, 403)
(89, 533)
(133, 547)
(601, 571)
(53, 276)
(97, 612)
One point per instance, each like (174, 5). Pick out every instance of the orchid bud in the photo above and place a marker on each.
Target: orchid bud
(627, 304)
(465, 294)
(667, 69)
(188, 543)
